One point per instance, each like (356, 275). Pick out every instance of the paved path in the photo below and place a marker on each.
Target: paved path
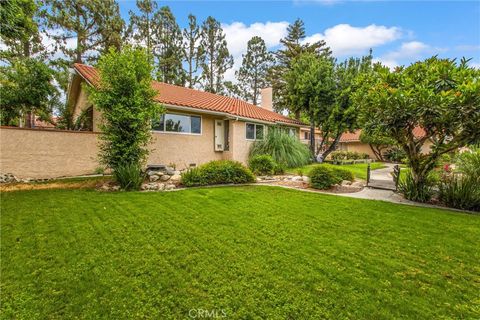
(382, 178)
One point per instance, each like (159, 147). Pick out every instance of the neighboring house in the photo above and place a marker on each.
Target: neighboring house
(350, 141)
(197, 127)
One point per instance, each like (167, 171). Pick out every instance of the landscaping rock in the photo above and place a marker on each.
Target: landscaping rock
(297, 178)
(153, 178)
(165, 177)
(8, 178)
(357, 184)
(346, 183)
(150, 186)
(306, 179)
(170, 171)
(169, 187)
(152, 172)
(175, 178)
(115, 188)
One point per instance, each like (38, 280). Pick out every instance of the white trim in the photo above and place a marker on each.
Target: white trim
(182, 133)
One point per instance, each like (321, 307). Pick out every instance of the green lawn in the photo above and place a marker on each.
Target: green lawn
(359, 170)
(251, 252)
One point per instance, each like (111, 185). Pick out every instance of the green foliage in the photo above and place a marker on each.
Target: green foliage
(441, 96)
(125, 98)
(26, 88)
(129, 176)
(468, 162)
(216, 59)
(252, 75)
(217, 172)
(192, 52)
(283, 148)
(96, 24)
(395, 155)
(323, 178)
(343, 174)
(262, 164)
(414, 191)
(348, 155)
(279, 168)
(460, 191)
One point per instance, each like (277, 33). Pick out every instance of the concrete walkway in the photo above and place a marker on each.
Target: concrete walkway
(382, 178)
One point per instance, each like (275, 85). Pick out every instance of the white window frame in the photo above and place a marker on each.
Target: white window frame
(254, 131)
(182, 133)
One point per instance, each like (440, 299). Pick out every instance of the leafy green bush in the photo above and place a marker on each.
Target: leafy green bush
(283, 148)
(338, 155)
(460, 191)
(343, 174)
(322, 178)
(416, 192)
(364, 155)
(217, 172)
(348, 155)
(279, 168)
(262, 164)
(129, 176)
(468, 162)
(395, 155)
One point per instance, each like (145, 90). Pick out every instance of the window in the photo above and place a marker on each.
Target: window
(292, 132)
(254, 131)
(171, 122)
(306, 135)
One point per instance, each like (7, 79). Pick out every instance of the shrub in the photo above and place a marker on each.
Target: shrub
(468, 162)
(129, 176)
(262, 164)
(395, 155)
(364, 155)
(343, 174)
(322, 178)
(416, 192)
(283, 148)
(460, 191)
(279, 168)
(217, 172)
(338, 155)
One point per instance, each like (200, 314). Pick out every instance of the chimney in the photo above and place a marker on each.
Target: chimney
(266, 94)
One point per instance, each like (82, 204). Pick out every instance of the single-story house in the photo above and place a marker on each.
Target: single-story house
(197, 127)
(350, 141)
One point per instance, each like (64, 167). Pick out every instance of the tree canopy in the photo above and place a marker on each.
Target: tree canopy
(439, 96)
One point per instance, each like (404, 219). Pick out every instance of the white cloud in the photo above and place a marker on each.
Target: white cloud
(475, 65)
(238, 34)
(408, 51)
(345, 39)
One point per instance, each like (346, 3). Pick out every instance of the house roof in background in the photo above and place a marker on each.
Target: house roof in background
(418, 132)
(196, 99)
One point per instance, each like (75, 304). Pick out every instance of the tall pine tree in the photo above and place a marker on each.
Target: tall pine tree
(252, 75)
(216, 59)
(95, 25)
(192, 51)
(169, 51)
(292, 47)
(141, 27)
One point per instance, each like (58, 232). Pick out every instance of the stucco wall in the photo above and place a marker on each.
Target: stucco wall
(357, 147)
(185, 149)
(35, 153)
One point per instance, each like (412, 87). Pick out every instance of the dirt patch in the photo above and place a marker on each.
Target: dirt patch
(84, 183)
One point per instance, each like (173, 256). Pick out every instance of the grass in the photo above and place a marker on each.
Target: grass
(359, 170)
(250, 252)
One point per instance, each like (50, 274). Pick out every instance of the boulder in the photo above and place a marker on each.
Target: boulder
(176, 178)
(169, 171)
(164, 177)
(169, 186)
(346, 183)
(153, 178)
(297, 178)
(306, 179)
(357, 184)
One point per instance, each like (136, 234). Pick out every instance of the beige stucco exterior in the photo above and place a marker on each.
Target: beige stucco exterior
(357, 146)
(35, 153)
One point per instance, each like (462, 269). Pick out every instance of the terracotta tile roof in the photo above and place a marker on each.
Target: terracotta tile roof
(355, 136)
(185, 97)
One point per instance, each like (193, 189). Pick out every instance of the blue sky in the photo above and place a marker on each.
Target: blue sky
(399, 32)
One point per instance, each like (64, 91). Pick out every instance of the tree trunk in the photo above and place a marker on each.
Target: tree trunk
(332, 147)
(377, 151)
(312, 136)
